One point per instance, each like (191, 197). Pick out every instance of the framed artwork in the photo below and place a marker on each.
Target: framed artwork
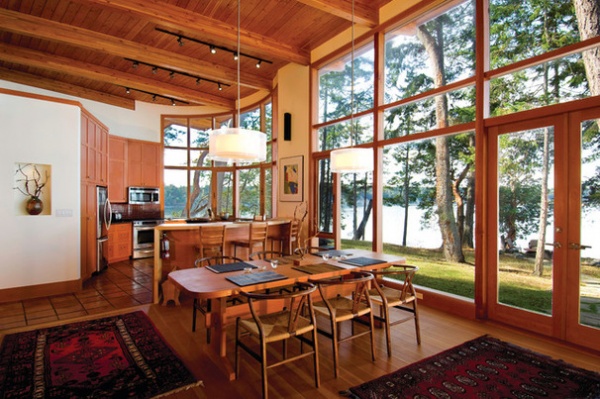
(292, 180)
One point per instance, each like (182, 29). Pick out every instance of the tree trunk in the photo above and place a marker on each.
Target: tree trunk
(360, 231)
(406, 196)
(451, 241)
(588, 20)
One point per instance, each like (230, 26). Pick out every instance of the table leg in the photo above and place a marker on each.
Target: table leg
(217, 349)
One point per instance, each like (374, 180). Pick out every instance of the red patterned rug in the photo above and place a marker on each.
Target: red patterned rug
(483, 368)
(114, 357)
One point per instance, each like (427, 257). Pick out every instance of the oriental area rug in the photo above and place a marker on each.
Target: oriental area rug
(483, 368)
(113, 357)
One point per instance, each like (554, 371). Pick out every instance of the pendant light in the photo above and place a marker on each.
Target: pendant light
(234, 144)
(351, 160)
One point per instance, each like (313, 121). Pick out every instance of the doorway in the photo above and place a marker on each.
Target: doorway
(544, 187)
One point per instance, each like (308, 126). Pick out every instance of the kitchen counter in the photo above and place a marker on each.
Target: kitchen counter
(183, 238)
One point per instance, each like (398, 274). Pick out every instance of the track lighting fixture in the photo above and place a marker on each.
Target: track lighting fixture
(135, 65)
(172, 73)
(155, 96)
(213, 48)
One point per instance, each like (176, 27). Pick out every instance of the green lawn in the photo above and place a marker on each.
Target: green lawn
(518, 287)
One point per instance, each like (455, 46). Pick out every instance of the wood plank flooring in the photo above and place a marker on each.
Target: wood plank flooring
(439, 331)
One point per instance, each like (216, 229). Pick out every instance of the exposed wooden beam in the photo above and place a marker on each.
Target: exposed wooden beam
(65, 88)
(55, 63)
(363, 15)
(49, 30)
(182, 20)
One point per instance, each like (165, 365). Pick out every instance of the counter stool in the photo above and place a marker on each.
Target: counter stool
(212, 240)
(257, 235)
(288, 235)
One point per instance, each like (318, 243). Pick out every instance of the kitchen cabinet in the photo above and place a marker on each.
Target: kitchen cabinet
(117, 169)
(120, 242)
(144, 164)
(94, 172)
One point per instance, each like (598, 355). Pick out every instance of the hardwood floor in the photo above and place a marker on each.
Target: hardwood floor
(439, 331)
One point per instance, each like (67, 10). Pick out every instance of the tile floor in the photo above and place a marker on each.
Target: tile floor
(122, 285)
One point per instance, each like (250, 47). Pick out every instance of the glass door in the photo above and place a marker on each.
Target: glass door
(583, 247)
(544, 272)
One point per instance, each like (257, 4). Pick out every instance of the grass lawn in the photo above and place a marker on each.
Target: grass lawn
(518, 287)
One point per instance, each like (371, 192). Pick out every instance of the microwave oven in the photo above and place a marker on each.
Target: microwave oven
(143, 195)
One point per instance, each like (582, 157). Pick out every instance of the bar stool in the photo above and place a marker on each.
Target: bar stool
(288, 235)
(212, 240)
(257, 235)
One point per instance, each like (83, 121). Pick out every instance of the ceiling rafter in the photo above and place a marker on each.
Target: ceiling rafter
(363, 15)
(49, 30)
(59, 64)
(198, 25)
(66, 88)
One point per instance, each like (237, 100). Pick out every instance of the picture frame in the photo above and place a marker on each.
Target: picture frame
(291, 178)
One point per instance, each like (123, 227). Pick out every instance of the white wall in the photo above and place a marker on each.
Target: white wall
(44, 248)
(293, 92)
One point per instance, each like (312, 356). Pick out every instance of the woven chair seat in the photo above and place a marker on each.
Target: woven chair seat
(276, 326)
(343, 308)
(394, 297)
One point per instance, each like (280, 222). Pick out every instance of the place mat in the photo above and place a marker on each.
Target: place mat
(255, 278)
(362, 261)
(332, 252)
(318, 268)
(230, 267)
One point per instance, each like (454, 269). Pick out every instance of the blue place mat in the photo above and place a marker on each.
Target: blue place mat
(255, 278)
(230, 267)
(362, 261)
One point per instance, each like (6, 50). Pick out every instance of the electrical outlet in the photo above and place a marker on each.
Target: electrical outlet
(64, 213)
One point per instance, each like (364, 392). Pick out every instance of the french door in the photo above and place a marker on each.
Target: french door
(544, 223)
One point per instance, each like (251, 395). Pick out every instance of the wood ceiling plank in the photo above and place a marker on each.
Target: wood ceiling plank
(363, 14)
(65, 88)
(37, 27)
(37, 59)
(193, 24)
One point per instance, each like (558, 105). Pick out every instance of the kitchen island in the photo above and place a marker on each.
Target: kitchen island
(183, 240)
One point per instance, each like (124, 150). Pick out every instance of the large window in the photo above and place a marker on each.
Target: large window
(193, 184)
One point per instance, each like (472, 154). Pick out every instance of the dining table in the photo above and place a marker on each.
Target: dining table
(218, 284)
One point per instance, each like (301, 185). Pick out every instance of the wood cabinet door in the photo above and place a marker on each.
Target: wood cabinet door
(117, 169)
(120, 243)
(144, 163)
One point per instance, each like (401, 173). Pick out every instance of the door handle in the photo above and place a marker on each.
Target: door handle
(557, 245)
(574, 245)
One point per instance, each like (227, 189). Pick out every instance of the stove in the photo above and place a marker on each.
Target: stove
(143, 237)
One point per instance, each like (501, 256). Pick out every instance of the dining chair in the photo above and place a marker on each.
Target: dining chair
(211, 240)
(293, 317)
(286, 237)
(204, 306)
(257, 235)
(337, 307)
(396, 292)
(265, 255)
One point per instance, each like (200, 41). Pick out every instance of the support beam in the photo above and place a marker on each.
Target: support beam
(363, 15)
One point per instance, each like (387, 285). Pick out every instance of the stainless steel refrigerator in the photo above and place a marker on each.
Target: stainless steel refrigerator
(103, 220)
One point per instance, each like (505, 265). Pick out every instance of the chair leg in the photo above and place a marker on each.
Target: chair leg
(194, 315)
(417, 326)
(237, 348)
(263, 363)
(388, 335)
(372, 334)
(334, 340)
(316, 358)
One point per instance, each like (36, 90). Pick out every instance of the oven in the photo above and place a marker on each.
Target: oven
(143, 238)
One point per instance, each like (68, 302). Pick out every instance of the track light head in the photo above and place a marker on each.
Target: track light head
(180, 41)
(135, 64)
(213, 50)
(258, 64)
(127, 90)
(220, 88)
(154, 70)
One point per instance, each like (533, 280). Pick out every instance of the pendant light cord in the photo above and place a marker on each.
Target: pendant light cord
(352, 82)
(239, 45)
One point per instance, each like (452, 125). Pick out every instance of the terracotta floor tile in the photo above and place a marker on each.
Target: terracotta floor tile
(41, 320)
(100, 309)
(116, 294)
(12, 319)
(40, 314)
(37, 305)
(68, 309)
(15, 324)
(11, 308)
(72, 315)
(90, 299)
(96, 304)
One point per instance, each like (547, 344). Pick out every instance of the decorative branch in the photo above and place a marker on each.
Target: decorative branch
(32, 185)
(300, 214)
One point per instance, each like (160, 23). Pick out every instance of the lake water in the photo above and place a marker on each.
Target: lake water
(430, 237)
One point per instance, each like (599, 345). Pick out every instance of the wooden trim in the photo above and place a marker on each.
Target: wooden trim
(40, 97)
(41, 290)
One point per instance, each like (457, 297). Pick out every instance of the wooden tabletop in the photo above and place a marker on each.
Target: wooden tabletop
(205, 284)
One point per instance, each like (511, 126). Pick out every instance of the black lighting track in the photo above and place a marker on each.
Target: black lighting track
(154, 95)
(135, 63)
(212, 46)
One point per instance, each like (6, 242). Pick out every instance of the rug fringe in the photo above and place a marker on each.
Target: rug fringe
(183, 388)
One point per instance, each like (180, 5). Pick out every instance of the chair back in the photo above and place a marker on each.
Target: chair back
(404, 274)
(258, 231)
(265, 255)
(215, 260)
(212, 237)
(293, 306)
(357, 281)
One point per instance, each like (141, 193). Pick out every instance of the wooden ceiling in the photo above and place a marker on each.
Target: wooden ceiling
(100, 49)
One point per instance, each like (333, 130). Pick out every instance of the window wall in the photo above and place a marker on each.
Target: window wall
(424, 123)
(194, 184)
